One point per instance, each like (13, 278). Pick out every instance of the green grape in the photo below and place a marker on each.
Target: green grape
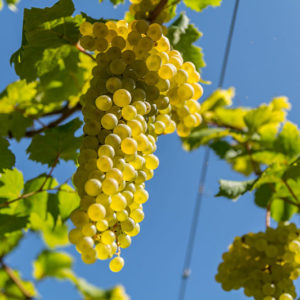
(108, 237)
(116, 264)
(140, 88)
(96, 212)
(122, 97)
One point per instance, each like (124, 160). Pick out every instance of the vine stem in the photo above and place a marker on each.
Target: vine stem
(268, 215)
(50, 172)
(16, 280)
(84, 52)
(65, 113)
(157, 10)
(290, 190)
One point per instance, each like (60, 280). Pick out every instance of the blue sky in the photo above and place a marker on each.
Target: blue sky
(264, 62)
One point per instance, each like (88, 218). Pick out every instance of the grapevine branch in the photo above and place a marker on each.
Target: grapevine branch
(157, 10)
(65, 113)
(16, 280)
(84, 52)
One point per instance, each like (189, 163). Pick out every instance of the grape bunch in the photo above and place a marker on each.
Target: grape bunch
(140, 89)
(264, 264)
(141, 10)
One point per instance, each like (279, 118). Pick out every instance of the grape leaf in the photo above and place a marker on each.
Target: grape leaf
(182, 35)
(7, 158)
(234, 189)
(17, 95)
(293, 170)
(201, 136)
(9, 242)
(263, 195)
(68, 200)
(199, 5)
(11, 184)
(56, 142)
(54, 234)
(38, 202)
(281, 210)
(10, 223)
(45, 28)
(288, 141)
(52, 264)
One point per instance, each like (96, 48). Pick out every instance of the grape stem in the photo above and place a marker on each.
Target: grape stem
(268, 214)
(84, 52)
(157, 10)
(16, 280)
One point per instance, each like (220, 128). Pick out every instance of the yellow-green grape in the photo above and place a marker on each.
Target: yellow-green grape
(123, 131)
(286, 296)
(137, 215)
(124, 240)
(79, 218)
(118, 202)
(129, 112)
(106, 150)
(108, 237)
(103, 251)
(100, 29)
(110, 186)
(128, 225)
(116, 174)
(113, 140)
(122, 215)
(102, 225)
(155, 31)
(185, 91)
(141, 196)
(129, 172)
(96, 212)
(103, 199)
(74, 235)
(89, 230)
(86, 28)
(109, 121)
(103, 102)
(116, 264)
(135, 231)
(122, 97)
(104, 163)
(129, 146)
(113, 84)
(89, 257)
(152, 162)
(85, 244)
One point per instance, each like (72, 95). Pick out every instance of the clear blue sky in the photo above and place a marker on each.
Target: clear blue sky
(264, 62)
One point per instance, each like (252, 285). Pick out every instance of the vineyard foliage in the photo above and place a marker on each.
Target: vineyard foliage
(44, 105)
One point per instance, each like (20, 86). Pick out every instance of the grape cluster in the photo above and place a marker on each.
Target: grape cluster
(141, 10)
(264, 264)
(140, 89)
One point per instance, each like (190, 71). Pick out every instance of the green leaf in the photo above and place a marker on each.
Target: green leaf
(17, 95)
(45, 28)
(9, 242)
(54, 234)
(263, 195)
(36, 16)
(234, 189)
(68, 200)
(288, 141)
(11, 184)
(11, 223)
(201, 136)
(281, 210)
(52, 264)
(38, 202)
(199, 5)
(221, 148)
(56, 142)
(293, 170)
(7, 158)
(182, 35)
